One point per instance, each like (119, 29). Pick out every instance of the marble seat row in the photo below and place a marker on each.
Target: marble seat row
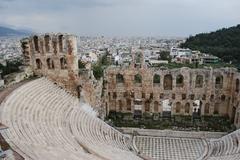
(226, 147)
(45, 122)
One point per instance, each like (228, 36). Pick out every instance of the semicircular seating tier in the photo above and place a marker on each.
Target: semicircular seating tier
(224, 148)
(45, 122)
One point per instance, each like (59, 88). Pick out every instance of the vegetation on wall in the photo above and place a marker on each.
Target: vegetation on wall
(81, 65)
(98, 68)
(224, 43)
(185, 123)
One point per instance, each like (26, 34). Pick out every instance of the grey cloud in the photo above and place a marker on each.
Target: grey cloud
(122, 17)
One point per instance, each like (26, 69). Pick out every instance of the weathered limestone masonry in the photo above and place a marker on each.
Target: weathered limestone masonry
(217, 90)
(53, 56)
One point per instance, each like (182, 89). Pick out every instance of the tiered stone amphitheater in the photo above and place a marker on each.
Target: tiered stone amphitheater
(47, 123)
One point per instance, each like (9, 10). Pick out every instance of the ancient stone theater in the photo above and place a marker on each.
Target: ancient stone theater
(56, 116)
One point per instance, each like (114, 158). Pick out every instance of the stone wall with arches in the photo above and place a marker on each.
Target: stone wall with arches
(53, 56)
(205, 91)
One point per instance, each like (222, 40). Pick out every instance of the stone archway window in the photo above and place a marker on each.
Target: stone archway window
(138, 78)
(156, 79)
(223, 97)
(219, 82)
(54, 43)
(39, 64)
(216, 108)
(120, 105)
(69, 47)
(147, 106)
(237, 85)
(60, 42)
(53, 64)
(187, 108)
(50, 63)
(178, 107)
(47, 43)
(119, 78)
(167, 84)
(35, 41)
(63, 63)
(179, 81)
(156, 104)
(199, 81)
(206, 108)
(237, 118)
(129, 103)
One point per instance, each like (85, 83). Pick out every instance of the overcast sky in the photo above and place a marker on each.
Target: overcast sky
(121, 17)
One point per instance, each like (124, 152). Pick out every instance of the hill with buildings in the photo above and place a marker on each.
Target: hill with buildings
(6, 31)
(223, 43)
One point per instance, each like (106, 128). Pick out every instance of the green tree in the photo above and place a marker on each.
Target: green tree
(97, 71)
(81, 65)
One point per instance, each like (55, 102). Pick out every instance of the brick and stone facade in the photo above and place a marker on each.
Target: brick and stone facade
(138, 87)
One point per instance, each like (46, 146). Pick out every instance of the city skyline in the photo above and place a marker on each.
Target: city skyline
(121, 18)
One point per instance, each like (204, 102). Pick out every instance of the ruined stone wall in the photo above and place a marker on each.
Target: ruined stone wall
(235, 101)
(53, 56)
(216, 89)
(91, 90)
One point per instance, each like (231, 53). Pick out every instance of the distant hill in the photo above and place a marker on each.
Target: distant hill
(224, 43)
(5, 31)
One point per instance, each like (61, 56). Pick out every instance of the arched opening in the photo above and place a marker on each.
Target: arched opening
(156, 79)
(237, 85)
(147, 106)
(39, 64)
(53, 65)
(212, 97)
(69, 47)
(167, 84)
(60, 42)
(197, 105)
(187, 108)
(219, 82)
(179, 81)
(199, 81)
(54, 43)
(138, 108)
(129, 104)
(119, 78)
(223, 97)
(237, 118)
(167, 108)
(50, 63)
(156, 104)
(120, 105)
(79, 89)
(47, 41)
(206, 108)
(178, 107)
(216, 108)
(138, 78)
(234, 109)
(35, 40)
(63, 63)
